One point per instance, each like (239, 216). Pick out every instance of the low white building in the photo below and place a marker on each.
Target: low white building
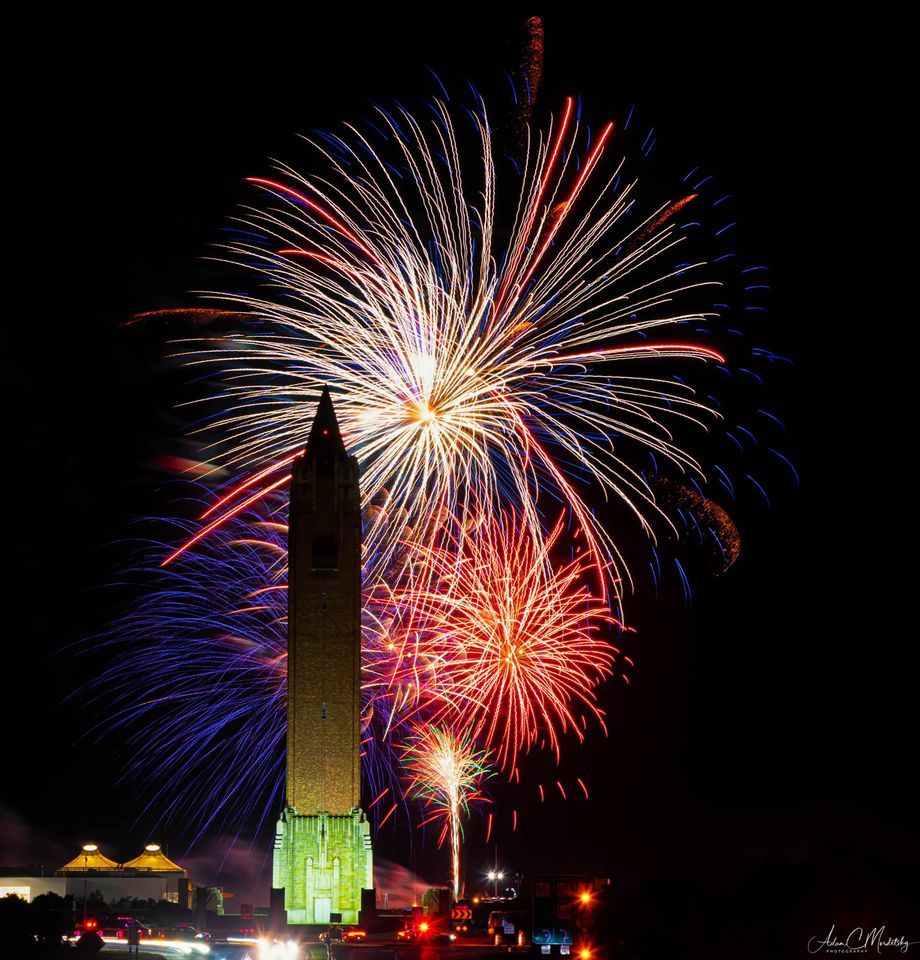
(149, 876)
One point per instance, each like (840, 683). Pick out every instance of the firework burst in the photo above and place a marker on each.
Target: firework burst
(446, 771)
(500, 642)
(520, 637)
(195, 684)
(501, 336)
(467, 366)
(198, 676)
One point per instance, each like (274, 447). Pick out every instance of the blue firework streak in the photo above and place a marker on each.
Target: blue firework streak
(196, 690)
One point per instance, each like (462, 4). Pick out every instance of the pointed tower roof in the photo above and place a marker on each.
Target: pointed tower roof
(325, 435)
(153, 858)
(90, 858)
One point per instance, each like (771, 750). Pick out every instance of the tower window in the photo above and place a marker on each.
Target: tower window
(325, 552)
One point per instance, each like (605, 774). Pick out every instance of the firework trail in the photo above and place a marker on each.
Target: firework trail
(446, 770)
(467, 365)
(714, 527)
(525, 83)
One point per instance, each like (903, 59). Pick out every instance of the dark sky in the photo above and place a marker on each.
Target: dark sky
(771, 716)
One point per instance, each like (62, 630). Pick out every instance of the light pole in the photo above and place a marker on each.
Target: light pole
(88, 848)
(495, 875)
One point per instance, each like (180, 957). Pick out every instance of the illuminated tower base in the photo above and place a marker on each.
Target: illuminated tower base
(323, 862)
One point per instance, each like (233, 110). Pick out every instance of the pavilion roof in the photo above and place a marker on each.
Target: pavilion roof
(90, 859)
(153, 858)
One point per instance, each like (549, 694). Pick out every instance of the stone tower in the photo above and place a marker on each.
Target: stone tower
(322, 857)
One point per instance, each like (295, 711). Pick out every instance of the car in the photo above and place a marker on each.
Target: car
(337, 934)
(181, 931)
(424, 931)
(112, 926)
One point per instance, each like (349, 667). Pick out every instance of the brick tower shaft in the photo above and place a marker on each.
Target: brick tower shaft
(324, 625)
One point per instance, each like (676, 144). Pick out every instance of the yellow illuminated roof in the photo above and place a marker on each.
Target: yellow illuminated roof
(152, 858)
(90, 858)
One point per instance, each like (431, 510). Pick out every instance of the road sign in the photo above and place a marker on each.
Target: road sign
(566, 908)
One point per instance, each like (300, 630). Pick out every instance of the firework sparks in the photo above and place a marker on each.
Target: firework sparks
(466, 368)
(446, 771)
(196, 679)
(199, 673)
(501, 644)
(495, 350)
(521, 643)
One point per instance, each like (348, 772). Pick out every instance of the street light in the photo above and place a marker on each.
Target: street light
(495, 876)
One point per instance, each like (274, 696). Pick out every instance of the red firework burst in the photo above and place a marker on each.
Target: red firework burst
(521, 637)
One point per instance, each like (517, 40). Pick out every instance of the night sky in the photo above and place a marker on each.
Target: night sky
(769, 718)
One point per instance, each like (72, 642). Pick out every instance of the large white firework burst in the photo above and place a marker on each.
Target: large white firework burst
(471, 360)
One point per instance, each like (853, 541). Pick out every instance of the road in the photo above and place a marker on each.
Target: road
(468, 949)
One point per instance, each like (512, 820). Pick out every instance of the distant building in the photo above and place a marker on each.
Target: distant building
(149, 876)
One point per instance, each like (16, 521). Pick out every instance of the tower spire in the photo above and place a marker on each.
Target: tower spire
(325, 433)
